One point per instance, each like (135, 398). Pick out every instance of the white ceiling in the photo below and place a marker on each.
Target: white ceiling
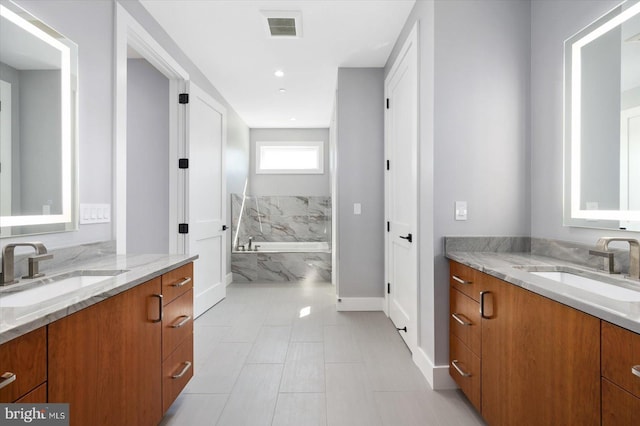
(228, 42)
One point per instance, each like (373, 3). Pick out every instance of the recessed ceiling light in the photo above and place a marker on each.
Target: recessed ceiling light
(282, 90)
(279, 73)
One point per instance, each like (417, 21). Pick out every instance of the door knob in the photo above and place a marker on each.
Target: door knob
(409, 238)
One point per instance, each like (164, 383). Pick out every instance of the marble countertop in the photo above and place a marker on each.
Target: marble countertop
(509, 267)
(18, 320)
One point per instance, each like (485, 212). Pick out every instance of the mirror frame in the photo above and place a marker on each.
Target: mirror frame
(574, 215)
(66, 221)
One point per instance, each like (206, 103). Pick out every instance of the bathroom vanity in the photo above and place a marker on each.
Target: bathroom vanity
(118, 353)
(528, 350)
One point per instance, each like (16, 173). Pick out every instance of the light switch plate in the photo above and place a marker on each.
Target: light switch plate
(461, 210)
(95, 213)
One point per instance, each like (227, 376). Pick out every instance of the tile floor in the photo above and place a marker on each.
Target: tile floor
(280, 354)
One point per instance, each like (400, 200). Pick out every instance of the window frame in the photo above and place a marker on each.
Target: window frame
(318, 145)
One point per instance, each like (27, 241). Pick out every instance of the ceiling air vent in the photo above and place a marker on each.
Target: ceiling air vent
(283, 24)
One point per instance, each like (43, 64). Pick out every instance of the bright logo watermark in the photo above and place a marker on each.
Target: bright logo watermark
(35, 414)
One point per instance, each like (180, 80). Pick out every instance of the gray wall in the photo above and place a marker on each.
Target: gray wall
(360, 179)
(147, 158)
(474, 144)
(12, 76)
(262, 184)
(551, 24)
(90, 24)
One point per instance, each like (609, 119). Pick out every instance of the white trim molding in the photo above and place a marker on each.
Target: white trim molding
(437, 375)
(229, 279)
(359, 304)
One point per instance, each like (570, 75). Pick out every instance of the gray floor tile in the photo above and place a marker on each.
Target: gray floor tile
(340, 344)
(304, 368)
(219, 372)
(271, 345)
(300, 409)
(350, 400)
(195, 410)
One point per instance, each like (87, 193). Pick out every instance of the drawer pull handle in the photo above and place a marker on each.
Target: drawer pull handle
(187, 366)
(482, 296)
(460, 280)
(186, 280)
(7, 378)
(459, 318)
(185, 319)
(636, 370)
(458, 369)
(160, 313)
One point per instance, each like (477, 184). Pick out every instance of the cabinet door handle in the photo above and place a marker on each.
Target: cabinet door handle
(636, 370)
(187, 366)
(454, 363)
(159, 296)
(184, 281)
(482, 295)
(185, 319)
(460, 280)
(459, 318)
(7, 378)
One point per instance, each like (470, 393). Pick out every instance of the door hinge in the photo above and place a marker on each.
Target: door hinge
(387, 103)
(183, 163)
(388, 226)
(183, 98)
(183, 228)
(388, 288)
(387, 164)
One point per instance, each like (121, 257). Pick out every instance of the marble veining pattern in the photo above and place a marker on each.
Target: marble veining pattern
(139, 269)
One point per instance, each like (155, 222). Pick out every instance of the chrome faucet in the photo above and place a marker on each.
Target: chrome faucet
(249, 244)
(634, 254)
(8, 261)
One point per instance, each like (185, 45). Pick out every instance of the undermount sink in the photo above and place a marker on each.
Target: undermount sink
(54, 287)
(592, 284)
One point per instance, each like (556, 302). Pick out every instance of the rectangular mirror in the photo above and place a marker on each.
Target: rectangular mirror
(38, 97)
(602, 122)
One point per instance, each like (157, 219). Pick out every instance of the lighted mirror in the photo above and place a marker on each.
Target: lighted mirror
(602, 122)
(38, 93)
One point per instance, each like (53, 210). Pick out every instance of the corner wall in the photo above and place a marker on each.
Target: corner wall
(360, 179)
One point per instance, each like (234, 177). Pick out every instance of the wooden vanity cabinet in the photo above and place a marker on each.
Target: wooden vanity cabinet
(25, 359)
(177, 333)
(105, 360)
(539, 360)
(620, 386)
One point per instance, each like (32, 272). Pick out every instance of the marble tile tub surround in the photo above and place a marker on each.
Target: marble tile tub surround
(281, 267)
(568, 251)
(63, 257)
(281, 218)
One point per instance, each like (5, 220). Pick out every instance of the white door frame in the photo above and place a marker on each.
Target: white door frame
(130, 33)
(410, 42)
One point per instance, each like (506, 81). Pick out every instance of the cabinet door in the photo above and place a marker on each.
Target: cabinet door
(619, 407)
(105, 360)
(540, 359)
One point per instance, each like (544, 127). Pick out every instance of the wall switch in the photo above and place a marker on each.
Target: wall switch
(95, 213)
(357, 208)
(461, 210)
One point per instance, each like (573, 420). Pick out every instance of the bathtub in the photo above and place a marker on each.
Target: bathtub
(282, 262)
(288, 247)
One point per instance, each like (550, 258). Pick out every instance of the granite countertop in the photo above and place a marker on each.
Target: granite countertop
(21, 318)
(513, 267)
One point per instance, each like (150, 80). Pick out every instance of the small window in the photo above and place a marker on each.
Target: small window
(290, 158)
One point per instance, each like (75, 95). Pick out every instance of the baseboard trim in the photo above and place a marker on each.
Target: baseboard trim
(437, 375)
(359, 303)
(229, 278)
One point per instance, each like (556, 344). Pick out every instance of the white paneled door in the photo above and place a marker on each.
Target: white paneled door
(206, 196)
(401, 194)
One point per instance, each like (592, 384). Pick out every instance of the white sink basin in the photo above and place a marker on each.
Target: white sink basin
(610, 291)
(53, 288)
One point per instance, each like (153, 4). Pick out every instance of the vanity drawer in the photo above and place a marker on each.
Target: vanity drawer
(26, 358)
(464, 320)
(619, 407)
(36, 396)
(177, 282)
(465, 279)
(467, 374)
(177, 370)
(620, 353)
(177, 323)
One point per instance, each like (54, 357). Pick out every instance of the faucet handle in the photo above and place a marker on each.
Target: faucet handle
(608, 255)
(34, 265)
